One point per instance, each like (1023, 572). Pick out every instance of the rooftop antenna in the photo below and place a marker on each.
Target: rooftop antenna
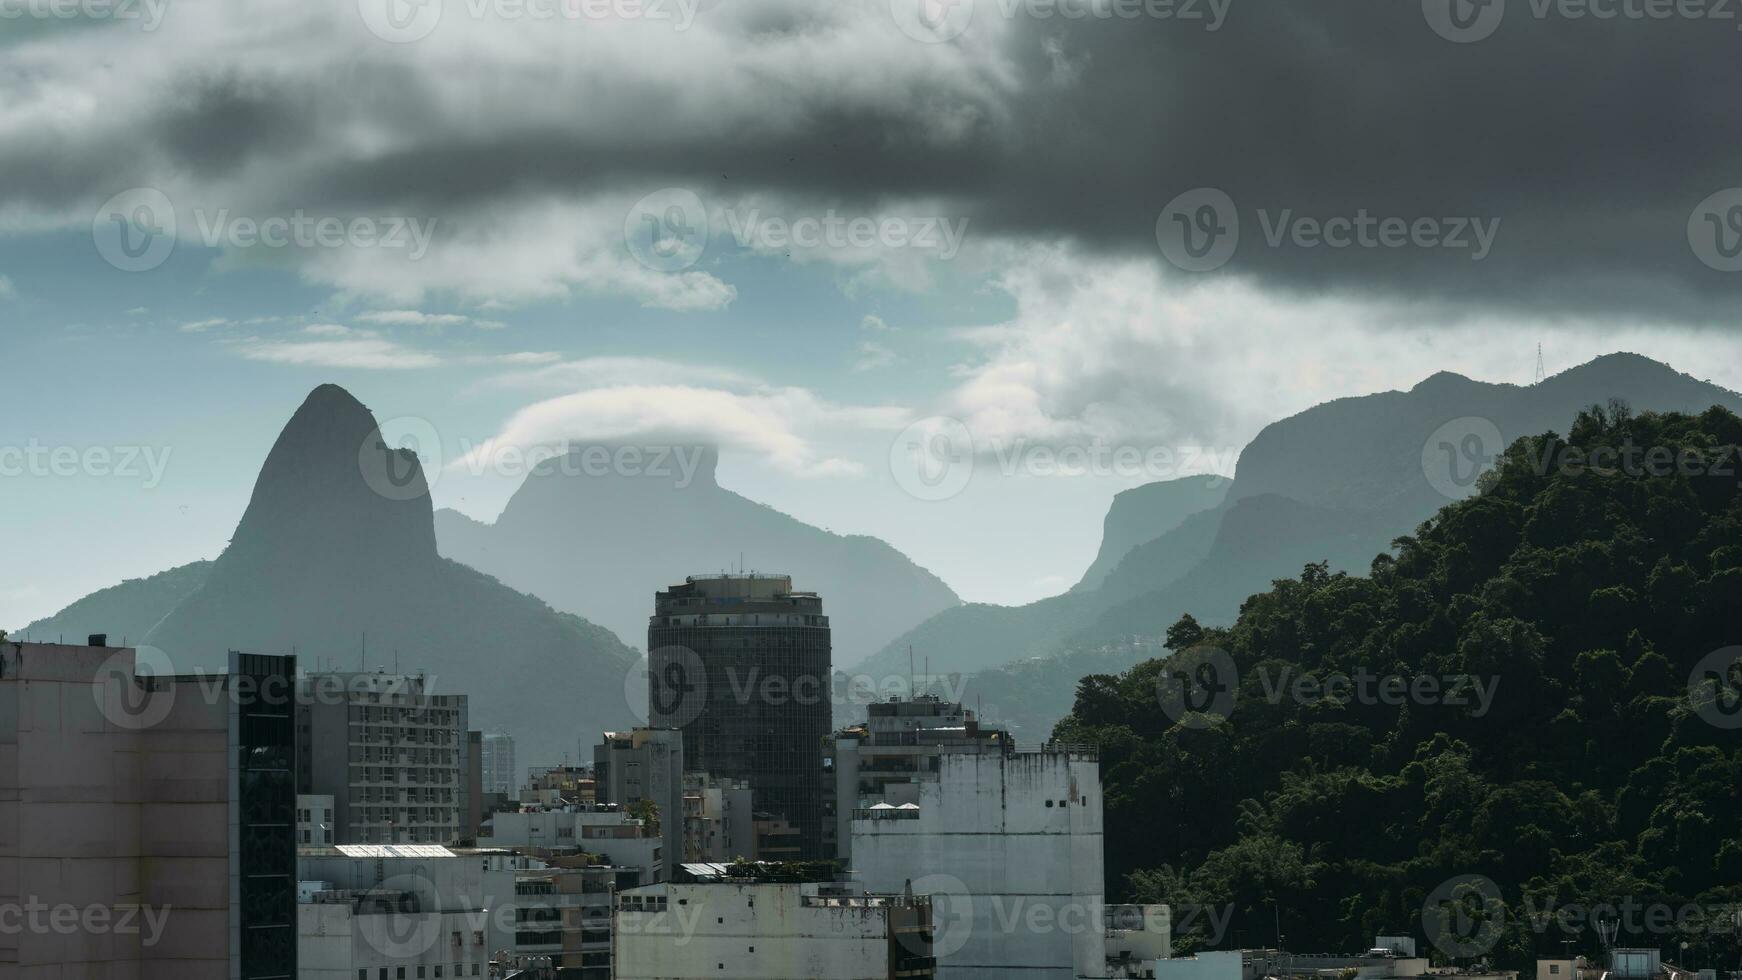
(1540, 373)
(910, 681)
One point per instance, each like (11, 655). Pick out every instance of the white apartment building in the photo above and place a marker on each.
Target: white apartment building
(314, 820)
(391, 753)
(738, 929)
(603, 829)
(1009, 847)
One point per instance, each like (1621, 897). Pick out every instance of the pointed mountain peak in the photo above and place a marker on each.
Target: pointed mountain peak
(331, 483)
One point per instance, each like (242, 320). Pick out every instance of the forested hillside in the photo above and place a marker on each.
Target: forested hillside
(1590, 590)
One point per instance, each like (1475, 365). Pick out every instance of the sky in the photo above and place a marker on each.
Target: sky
(1099, 242)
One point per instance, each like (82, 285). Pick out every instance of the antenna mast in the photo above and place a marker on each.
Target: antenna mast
(1540, 373)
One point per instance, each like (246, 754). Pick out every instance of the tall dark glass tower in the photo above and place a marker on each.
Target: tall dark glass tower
(740, 663)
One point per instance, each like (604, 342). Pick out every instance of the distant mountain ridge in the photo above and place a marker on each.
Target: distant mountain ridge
(335, 559)
(1337, 482)
(600, 545)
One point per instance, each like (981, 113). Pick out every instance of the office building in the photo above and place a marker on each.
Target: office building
(314, 820)
(159, 804)
(391, 754)
(741, 665)
(499, 773)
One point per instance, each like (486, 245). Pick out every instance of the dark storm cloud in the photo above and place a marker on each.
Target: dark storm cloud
(1589, 140)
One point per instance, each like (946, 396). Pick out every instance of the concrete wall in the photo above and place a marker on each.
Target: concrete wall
(750, 932)
(1011, 851)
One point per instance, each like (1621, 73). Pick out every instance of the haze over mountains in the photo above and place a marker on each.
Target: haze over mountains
(337, 549)
(599, 544)
(1335, 483)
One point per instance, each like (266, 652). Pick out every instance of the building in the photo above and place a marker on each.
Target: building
(606, 830)
(1386, 960)
(387, 911)
(314, 820)
(499, 773)
(555, 786)
(1137, 936)
(997, 839)
(719, 819)
(741, 664)
(761, 922)
(645, 764)
(129, 795)
(896, 750)
(474, 785)
(562, 915)
(390, 753)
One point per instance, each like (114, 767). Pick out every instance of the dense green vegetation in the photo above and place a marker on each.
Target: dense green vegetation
(1595, 776)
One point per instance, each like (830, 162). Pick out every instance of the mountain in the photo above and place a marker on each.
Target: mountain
(127, 611)
(1538, 687)
(1337, 483)
(600, 545)
(1144, 513)
(336, 549)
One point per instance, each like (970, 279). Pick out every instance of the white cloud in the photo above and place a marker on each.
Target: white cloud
(784, 427)
(7, 290)
(201, 326)
(1117, 351)
(412, 318)
(600, 372)
(337, 347)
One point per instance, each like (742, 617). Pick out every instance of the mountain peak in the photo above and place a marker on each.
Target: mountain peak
(332, 484)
